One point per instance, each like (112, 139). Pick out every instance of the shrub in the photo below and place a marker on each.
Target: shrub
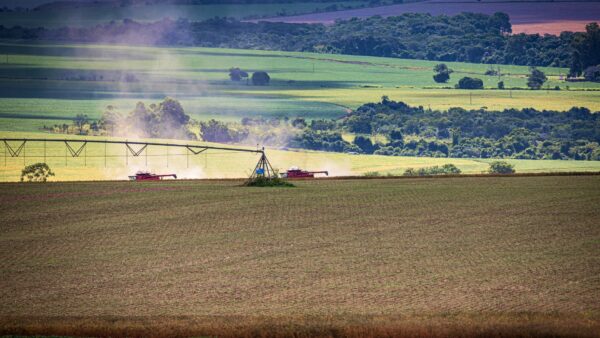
(492, 72)
(501, 167)
(372, 174)
(262, 181)
(450, 168)
(410, 172)
(446, 169)
(261, 79)
(38, 172)
(236, 74)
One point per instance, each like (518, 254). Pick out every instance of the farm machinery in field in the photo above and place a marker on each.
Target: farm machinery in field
(295, 172)
(146, 176)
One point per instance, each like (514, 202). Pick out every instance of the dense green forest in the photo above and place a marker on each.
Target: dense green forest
(415, 131)
(466, 37)
(513, 133)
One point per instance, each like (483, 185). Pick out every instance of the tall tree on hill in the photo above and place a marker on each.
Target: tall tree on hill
(502, 22)
(592, 73)
(586, 50)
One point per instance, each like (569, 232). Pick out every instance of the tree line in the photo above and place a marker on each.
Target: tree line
(467, 37)
(408, 131)
(535, 80)
(415, 131)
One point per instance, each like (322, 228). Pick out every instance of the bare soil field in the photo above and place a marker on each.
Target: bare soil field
(475, 257)
(529, 17)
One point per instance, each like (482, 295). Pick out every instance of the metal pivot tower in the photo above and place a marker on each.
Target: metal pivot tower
(263, 168)
(15, 147)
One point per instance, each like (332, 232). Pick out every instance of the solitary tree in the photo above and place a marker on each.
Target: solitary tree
(469, 83)
(442, 73)
(80, 121)
(260, 79)
(536, 79)
(586, 49)
(38, 172)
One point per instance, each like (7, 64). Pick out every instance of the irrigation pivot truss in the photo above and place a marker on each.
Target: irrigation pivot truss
(77, 148)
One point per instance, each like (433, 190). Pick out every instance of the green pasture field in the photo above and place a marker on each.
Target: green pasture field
(45, 82)
(92, 164)
(470, 257)
(102, 13)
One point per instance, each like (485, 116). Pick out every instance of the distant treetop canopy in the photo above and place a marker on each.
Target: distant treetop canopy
(466, 37)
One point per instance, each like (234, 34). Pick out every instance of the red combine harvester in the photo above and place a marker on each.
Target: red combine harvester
(146, 176)
(295, 172)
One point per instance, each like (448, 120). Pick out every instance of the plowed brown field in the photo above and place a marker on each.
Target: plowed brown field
(488, 256)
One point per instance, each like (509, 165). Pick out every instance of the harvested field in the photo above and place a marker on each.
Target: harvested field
(530, 17)
(492, 256)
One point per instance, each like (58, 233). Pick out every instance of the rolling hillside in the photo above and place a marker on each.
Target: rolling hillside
(90, 13)
(44, 84)
(544, 17)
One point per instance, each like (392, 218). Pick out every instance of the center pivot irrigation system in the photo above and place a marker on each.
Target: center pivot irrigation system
(77, 148)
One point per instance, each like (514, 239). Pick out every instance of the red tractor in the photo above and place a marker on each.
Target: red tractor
(295, 172)
(146, 176)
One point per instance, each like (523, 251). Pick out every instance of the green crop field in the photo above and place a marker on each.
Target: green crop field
(92, 164)
(471, 257)
(41, 83)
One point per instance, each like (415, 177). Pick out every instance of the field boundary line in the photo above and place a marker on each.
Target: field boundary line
(342, 178)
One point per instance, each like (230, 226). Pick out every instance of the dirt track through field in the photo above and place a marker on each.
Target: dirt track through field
(529, 17)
